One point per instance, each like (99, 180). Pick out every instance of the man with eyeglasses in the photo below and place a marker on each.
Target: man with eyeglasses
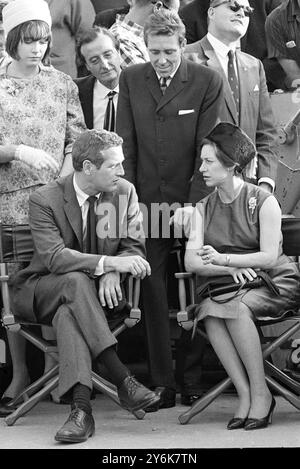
(246, 100)
(194, 16)
(283, 38)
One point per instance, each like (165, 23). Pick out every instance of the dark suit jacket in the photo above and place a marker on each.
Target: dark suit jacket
(256, 116)
(86, 94)
(194, 16)
(56, 224)
(162, 133)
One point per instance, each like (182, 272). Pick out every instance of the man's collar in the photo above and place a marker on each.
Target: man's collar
(218, 45)
(81, 196)
(103, 90)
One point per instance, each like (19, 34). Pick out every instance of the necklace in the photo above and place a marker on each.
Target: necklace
(235, 195)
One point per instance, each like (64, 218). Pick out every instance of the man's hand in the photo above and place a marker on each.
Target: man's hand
(135, 265)
(109, 289)
(182, 218)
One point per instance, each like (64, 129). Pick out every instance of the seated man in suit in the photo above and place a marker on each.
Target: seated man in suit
(98, 93)
(71, 252)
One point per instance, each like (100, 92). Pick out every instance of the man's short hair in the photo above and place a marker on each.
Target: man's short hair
(91, 34)
(90, 144)
(164, 22)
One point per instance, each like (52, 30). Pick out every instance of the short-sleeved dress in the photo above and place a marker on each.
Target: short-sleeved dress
(233, 228)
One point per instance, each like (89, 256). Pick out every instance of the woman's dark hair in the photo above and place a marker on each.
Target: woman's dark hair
(34, 30)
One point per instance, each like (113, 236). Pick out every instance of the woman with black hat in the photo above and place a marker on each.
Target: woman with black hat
(236, 231)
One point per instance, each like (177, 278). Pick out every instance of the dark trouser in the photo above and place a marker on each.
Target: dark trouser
(70, 302)
(155, 305)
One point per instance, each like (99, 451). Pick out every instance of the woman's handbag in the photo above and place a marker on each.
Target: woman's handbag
(217, 286)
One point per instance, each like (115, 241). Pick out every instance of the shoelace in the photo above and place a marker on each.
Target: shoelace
(75, 415)
(132, 384)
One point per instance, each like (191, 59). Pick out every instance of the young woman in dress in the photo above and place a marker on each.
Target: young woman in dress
(236, 231)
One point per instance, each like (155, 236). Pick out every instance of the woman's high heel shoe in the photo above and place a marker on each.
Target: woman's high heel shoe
(236, 422)
(255, 424)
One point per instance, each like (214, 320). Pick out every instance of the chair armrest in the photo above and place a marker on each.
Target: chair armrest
(133, 298)
(184, 317)
(183, 275)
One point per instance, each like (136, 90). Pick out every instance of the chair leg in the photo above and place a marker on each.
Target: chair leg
(288, 395)
(32, 388)
(275, 372)
(109, 390)
(32, 401)
(210, 396)
(204, 401)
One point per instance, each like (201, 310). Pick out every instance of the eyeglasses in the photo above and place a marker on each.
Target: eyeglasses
(235, 6)
(158, 5)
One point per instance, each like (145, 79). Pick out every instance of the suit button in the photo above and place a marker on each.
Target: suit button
(160, 118)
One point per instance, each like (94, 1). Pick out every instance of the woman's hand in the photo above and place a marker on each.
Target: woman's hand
(209, 255)
(241, 274)
(36, 158)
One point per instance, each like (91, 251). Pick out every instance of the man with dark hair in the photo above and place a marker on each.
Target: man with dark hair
(283, 39)
(246, 99)
(129, 30)
(98, 93)
(165, 109)
(194, 16)
(72, 249)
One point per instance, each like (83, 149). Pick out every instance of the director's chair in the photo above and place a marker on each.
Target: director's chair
(16, 246)
(281, 381)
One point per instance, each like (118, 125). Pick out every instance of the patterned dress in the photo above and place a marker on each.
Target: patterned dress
(45, 113)
(233, 228)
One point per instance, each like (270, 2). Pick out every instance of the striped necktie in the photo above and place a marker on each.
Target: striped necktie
(110, 114)
(233, 80)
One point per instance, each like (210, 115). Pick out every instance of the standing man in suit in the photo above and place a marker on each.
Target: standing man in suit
(71, 250)
(246, 98)
(98, 92)
(165, 109)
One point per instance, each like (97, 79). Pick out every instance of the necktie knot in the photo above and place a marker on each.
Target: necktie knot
(111, 94)
(163, 83)
(231, 55)
(91, 200)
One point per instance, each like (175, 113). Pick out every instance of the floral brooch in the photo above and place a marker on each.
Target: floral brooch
(252, 204)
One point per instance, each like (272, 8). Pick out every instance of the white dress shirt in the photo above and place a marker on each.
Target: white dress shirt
(82, 199)
(221, 51)
(100, 101)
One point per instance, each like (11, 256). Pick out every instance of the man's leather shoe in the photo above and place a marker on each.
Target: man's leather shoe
(189, 399)
(79, 427)
(167, 399)
(134, 396)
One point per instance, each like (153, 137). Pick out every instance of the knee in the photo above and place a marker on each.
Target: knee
(76, 281)
(245, 312)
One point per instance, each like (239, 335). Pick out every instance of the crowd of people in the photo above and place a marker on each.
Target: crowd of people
(165, 108)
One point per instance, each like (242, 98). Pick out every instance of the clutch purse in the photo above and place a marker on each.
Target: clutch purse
(217, 286)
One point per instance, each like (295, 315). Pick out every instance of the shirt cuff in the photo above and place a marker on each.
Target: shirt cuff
(268, 181)
(100, 267)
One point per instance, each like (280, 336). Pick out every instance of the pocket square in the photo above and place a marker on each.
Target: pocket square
(256, 88)
(290, 44)
(185, 111)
